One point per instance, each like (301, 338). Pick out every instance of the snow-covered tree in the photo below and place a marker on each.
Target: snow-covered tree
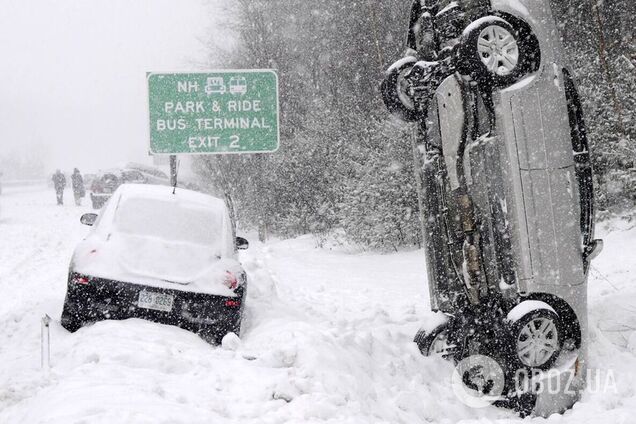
(342, 162)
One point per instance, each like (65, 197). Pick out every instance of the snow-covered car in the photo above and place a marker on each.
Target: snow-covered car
(505, 186)
(105, 183)
(164, 257)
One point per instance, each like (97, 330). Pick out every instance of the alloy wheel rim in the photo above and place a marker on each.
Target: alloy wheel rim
(537, 342)
(498, 50)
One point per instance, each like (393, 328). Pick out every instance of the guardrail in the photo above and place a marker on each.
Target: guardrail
(22, 183)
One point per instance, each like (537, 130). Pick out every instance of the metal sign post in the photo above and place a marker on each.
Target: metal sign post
(173, 170)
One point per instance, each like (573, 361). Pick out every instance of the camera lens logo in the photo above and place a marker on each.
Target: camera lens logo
(478, 381)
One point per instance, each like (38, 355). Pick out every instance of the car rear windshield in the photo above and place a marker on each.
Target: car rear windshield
(170, 220)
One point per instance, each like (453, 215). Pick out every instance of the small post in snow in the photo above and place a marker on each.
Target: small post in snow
(45, 340)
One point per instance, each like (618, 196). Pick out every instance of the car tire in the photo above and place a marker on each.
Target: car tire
(393, 89)
(434, 342)
(209, 335)
(497, 53)
(214, 334)
(71, 319)
(536, 335)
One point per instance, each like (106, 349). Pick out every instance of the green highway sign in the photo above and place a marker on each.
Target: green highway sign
(213, 113)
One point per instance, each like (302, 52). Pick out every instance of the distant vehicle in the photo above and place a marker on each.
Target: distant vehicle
(238, 85)
(88, 179)
(215, 85)
(105, 184)
(153, 175)
(168, 258)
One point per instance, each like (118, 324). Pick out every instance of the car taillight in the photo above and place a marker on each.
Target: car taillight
(80, 279)
(232, 303)
(230, 281)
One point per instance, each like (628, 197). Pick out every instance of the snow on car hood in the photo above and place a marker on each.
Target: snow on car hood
(155, 262)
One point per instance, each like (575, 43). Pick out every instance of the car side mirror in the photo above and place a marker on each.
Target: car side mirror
(88, 219)
(241, 243)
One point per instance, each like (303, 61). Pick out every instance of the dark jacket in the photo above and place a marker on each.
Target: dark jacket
(78, 183)
(59, 181)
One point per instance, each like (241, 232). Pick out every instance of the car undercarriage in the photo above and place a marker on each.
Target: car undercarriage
(505, 186)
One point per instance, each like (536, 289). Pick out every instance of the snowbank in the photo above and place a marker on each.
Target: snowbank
(327, 338)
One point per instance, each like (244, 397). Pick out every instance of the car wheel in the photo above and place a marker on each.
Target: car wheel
(236, 328)
(436, 342)
(536, 335)
(214, 334)
(494, 52)
(394, 90)
(71, 319)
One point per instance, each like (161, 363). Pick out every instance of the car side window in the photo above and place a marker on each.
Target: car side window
(133, 177)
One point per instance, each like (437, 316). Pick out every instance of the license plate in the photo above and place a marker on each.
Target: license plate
(156, 301)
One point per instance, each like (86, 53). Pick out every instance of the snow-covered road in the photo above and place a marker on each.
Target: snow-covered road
(327, 338)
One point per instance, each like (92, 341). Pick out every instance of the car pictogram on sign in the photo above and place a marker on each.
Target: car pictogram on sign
(215, 85)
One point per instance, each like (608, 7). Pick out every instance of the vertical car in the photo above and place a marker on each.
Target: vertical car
(505, 185)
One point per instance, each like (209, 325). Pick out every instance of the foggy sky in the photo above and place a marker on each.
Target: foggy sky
(72, 73)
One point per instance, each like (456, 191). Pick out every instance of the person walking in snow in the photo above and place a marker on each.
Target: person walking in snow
(59, 182)
(78, 186)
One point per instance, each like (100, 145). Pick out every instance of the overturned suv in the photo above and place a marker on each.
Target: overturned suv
(159, 254)
(505, 185)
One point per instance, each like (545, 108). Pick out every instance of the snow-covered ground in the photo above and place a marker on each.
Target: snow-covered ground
(327, 338)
